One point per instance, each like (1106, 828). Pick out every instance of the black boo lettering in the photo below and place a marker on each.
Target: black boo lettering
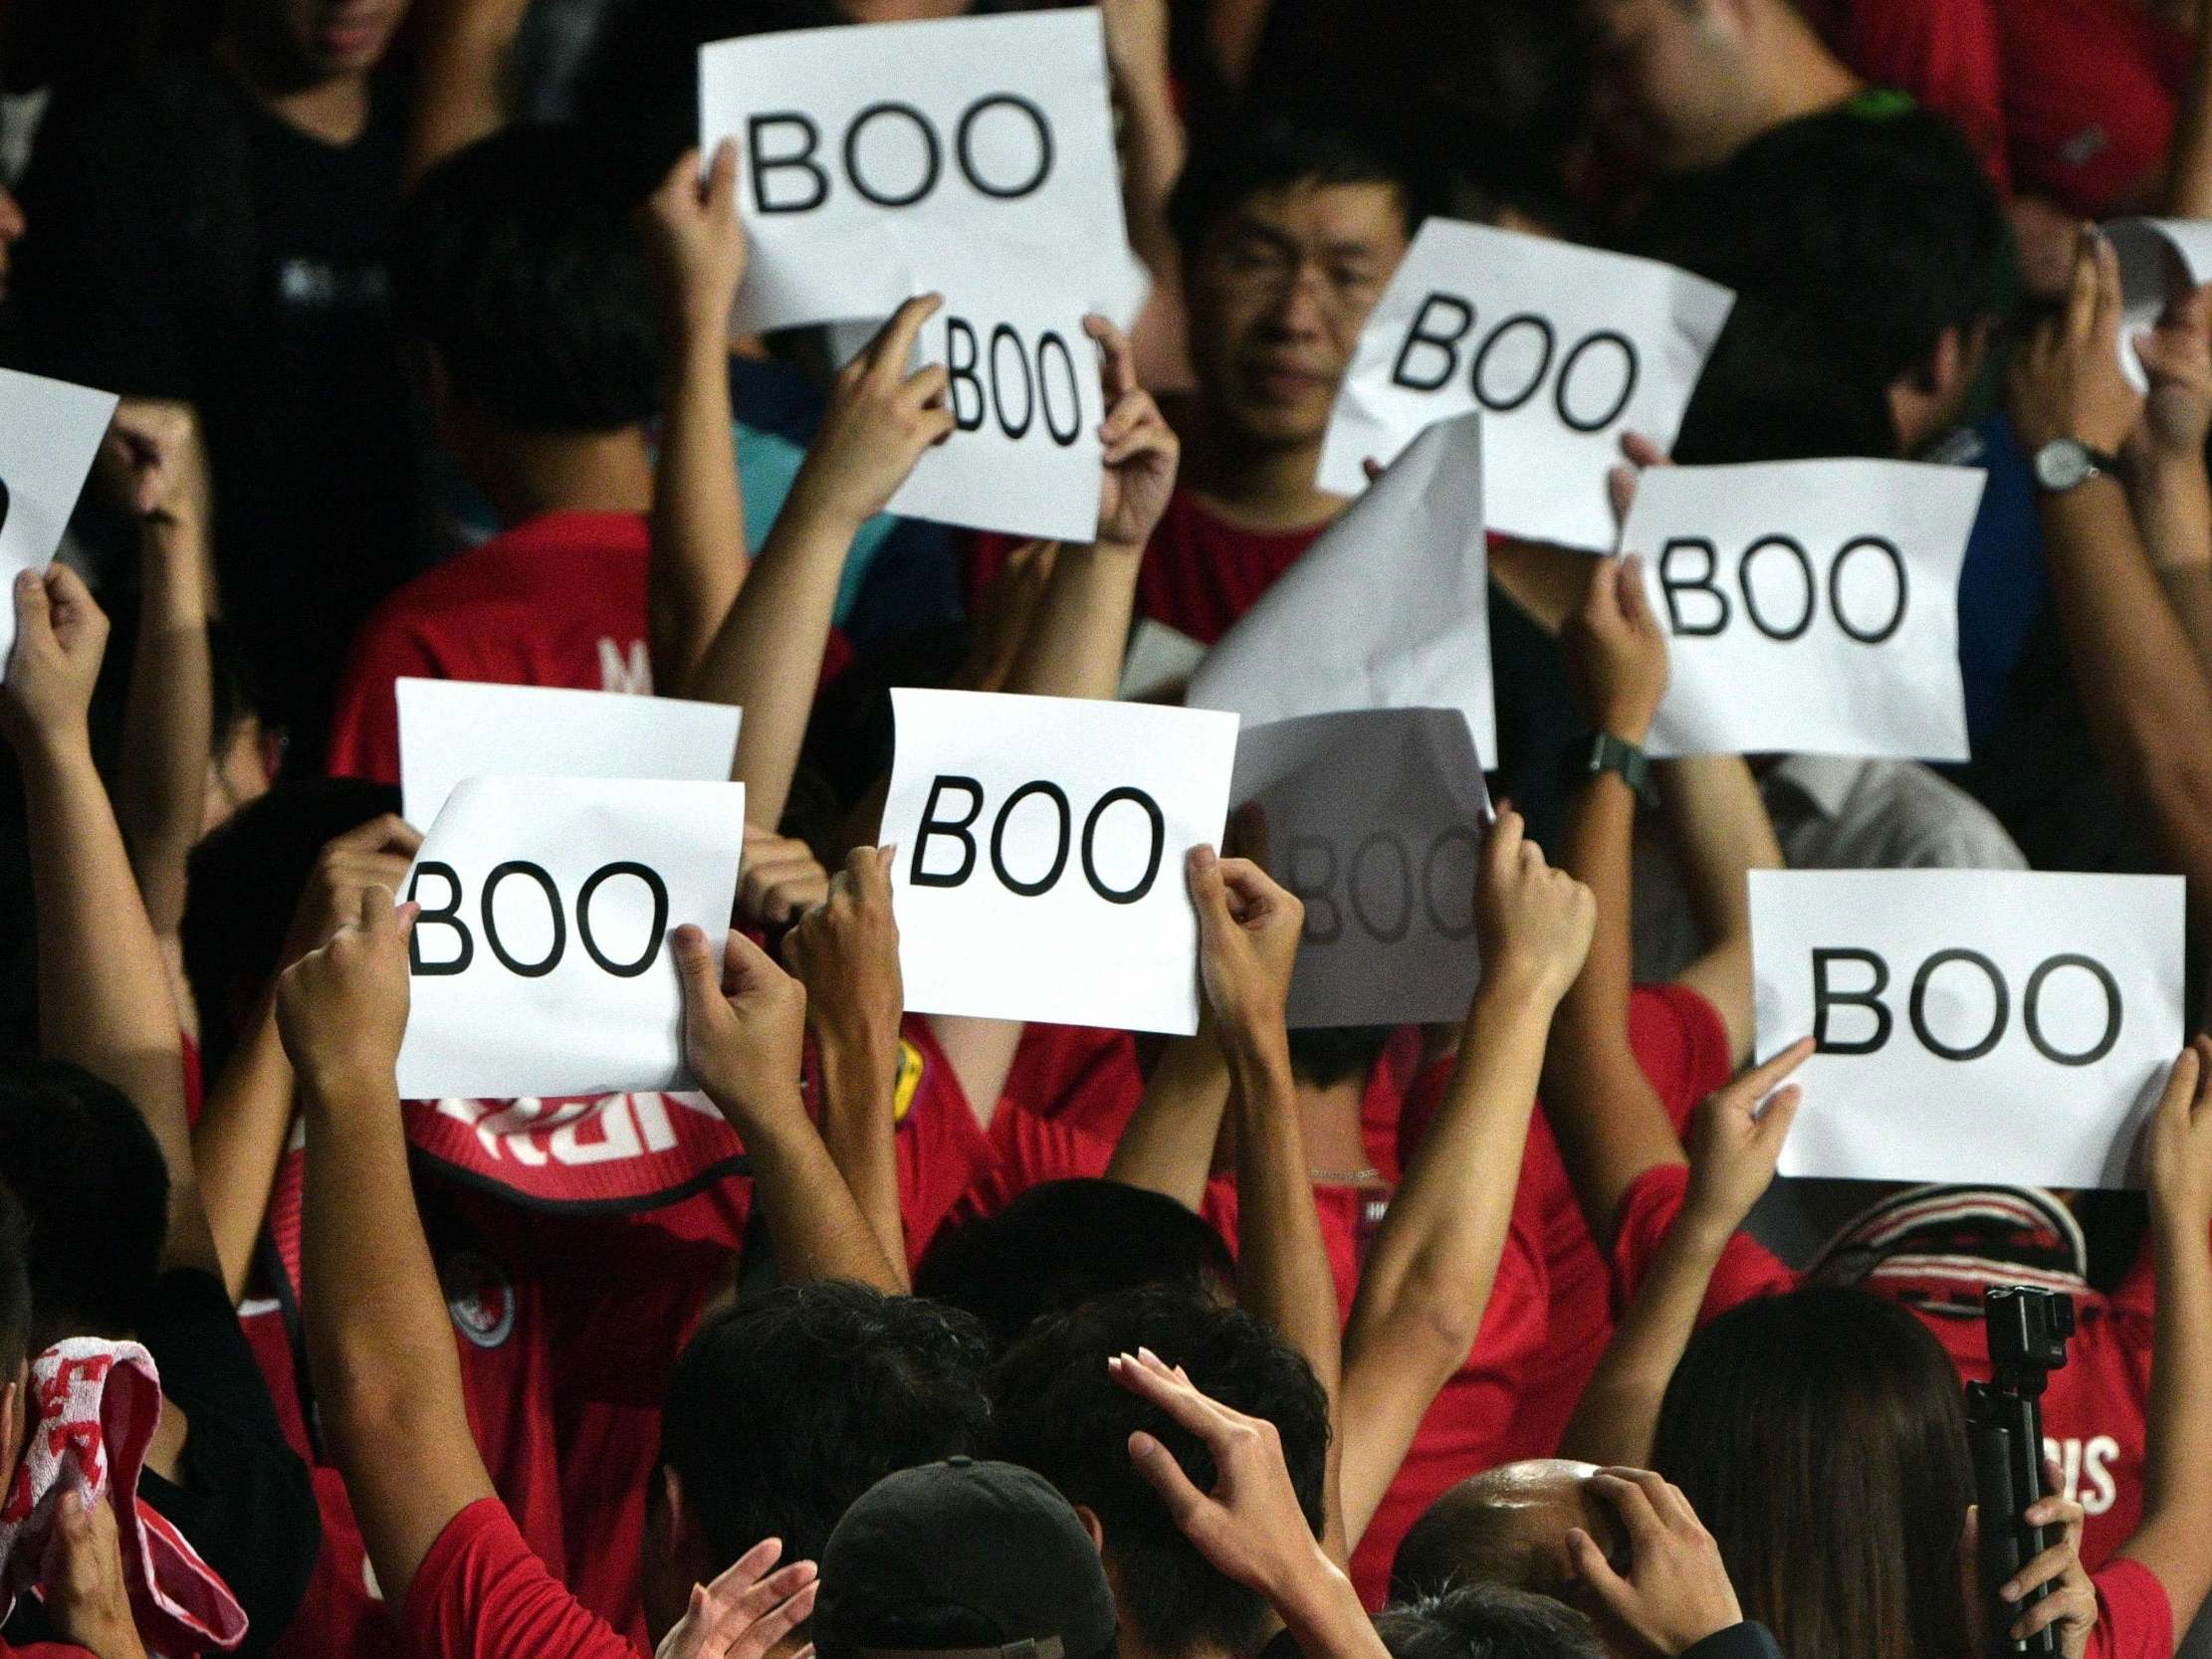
(1310, 869)
(448, 916)
(1430, 357)
(968, 365)
(1866, 997)
(783, 150)
(1697, 607)
(959, 830)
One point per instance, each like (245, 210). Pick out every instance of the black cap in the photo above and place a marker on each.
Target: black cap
(961, 1558)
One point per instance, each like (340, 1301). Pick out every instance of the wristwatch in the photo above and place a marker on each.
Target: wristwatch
(2064, 463)
(1602, 752)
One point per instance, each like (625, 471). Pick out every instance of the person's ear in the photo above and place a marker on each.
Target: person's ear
(1089, 1517)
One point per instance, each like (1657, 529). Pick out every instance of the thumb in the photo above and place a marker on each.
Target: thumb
(1773, 1125)
(695, 965)
(33, 610)
(1208, 893)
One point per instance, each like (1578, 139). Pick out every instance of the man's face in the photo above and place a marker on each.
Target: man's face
(1671, 83)
(1277, 293)
(331, 37)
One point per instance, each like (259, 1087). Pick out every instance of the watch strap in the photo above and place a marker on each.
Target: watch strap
(1602, 752)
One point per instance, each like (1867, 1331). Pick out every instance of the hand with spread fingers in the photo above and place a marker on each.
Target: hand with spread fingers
(1675, 1591)
(1736, 1138)
(747, 1611)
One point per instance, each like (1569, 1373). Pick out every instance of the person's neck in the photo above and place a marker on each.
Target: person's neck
(1336, 1141)
(528, 475)
(1803, 77)
(1259, 486)
(333, 111)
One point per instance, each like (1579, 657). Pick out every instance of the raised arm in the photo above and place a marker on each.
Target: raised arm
(745, 1032)
(2149, 701)
(1608, 1121)
(2166, 481)
(698, 561)
(2174, 1536)
(379, 1343)
(1153, 144)
(240, 1137)
(1736, 1146)
(103, 988)
(845, 953)
(1427, 1277)
(463, 52)
(1167, 1146)
(168, 718)
(2188, 193)
(766, 655)
(1720, 832)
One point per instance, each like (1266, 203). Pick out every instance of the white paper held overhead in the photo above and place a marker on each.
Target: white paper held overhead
(50, 432)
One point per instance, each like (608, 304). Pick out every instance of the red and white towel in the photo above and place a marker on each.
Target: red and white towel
(96, 1406)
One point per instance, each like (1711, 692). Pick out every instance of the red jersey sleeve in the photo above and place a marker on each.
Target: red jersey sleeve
(1681, 1043)
(364, 733)
(1747, 1269)
(480, 1595)
(2135, 1620)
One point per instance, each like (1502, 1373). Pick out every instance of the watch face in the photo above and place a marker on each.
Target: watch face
(2061, 464)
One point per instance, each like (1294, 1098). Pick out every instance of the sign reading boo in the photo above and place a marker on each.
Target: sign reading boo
(1041, 845)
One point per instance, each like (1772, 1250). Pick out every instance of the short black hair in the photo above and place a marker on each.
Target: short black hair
(1488, 1621)
(786, 1409)
(515, 260)
(1064, 1243)
(243, 883)
(15, 1284)
(89, 1176)
(1853, 239)
(1057, 1411)
(1295, 142)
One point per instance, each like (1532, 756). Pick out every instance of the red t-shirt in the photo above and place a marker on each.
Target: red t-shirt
(480, 1594)
(2093, 1412)
(1678, 1039)
(1201, 572)
(559, 600)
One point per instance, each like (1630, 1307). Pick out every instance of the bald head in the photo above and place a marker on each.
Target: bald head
(1506, 1525)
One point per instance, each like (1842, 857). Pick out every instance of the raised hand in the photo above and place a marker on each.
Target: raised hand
(1675, 1593)
(2177, 1144)
(2067, 382)
(845, 953)
(779, 879)
(342, 1009)
(2071, 1604)
(1533, 922)
(745, 1611)
(1142, 452)
(2178, 359)
(1616, 651)
(744, 1027)
(59, 636)
(694, 244)
(1735, 1141)
(153, 463)
(374, 854)
(1249, 930)
(879, 421)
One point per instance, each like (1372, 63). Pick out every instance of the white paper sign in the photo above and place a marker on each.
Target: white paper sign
(1159, 662)
(540, 962)
(1041, 845)
(1810, 607)
(1024, 458)
(50, 432)
(450, 729)
(2156, 257)
(1563, 348)
(1992, 1026)
(1389, 609)
(863, 150)
(1375, 820)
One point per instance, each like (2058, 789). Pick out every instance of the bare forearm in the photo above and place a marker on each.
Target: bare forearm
(1074, 648)
(860, 1074)
(2188, 192)
(1282, 1266)
(767, 656)
(2174, 1538)
(240, 1140)
(380, 1343)
(813, 1220)
(2189, 591)
(1168, 1144)
(697, 526)
(1720, 832)
(104, 990)
(168, 724)
(1618, 1411)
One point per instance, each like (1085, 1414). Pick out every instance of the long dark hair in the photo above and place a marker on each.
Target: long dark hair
(1822, 1438)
